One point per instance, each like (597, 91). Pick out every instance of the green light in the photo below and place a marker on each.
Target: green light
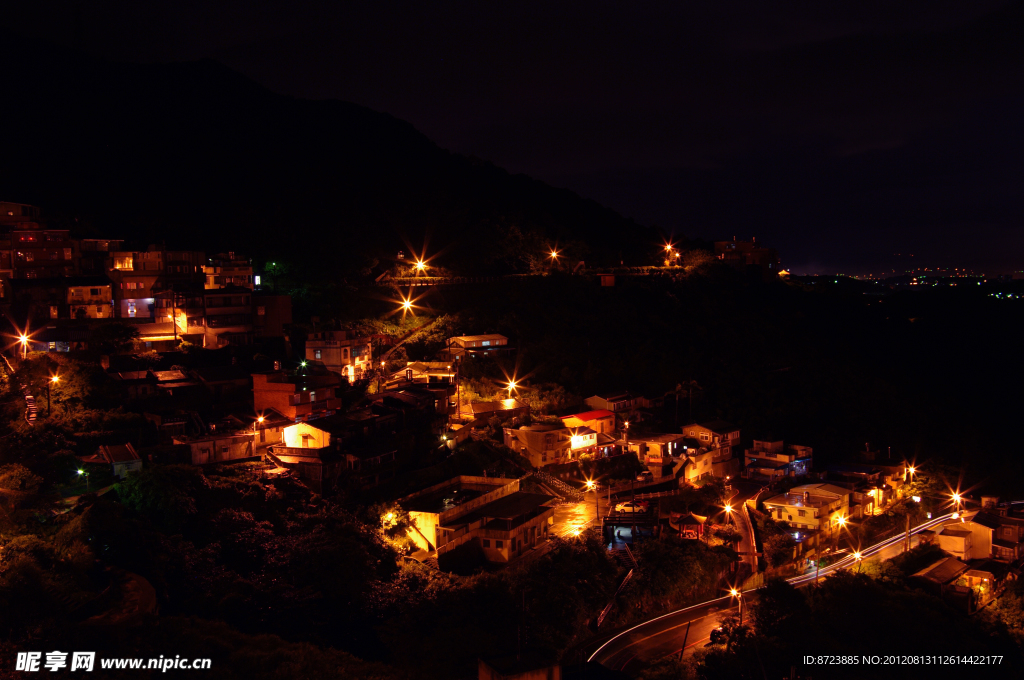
(81, 472)
(303, 364)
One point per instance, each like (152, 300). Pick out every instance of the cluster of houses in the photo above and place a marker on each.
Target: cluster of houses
(985, 548)
(66, 288)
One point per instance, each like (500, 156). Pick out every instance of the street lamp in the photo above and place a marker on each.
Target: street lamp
(52, 381)
(23, 339)
(739, 597)
(554, 255)
(420, 265)
(511, 386)
(83, 473)
(728, 511)
(856, 559)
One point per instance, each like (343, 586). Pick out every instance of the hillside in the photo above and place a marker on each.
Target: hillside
(195, 155)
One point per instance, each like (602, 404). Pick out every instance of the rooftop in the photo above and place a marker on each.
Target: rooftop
(718, 426)
(118, 453)
(943, 571)
(591, 415)
(508, 508)
(499, 405)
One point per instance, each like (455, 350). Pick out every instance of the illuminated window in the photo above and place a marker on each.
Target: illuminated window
(316, 354)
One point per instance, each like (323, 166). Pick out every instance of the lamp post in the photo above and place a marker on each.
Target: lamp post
(511, 386)
(23, 339)
(728, 512)
(856, 560)
(739, 598)
(83, 473)
(592, 486)
(52, 381)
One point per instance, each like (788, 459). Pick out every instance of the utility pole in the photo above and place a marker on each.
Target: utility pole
(906, 540)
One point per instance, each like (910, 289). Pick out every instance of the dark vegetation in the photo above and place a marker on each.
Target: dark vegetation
(851, 614)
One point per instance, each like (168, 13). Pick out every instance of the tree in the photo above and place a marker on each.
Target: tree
(778, 549)
(116, 337)
(779, 607)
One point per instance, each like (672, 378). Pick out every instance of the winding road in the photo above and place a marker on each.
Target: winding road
(686, 629)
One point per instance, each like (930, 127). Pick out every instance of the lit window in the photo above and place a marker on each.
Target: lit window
(316, 354)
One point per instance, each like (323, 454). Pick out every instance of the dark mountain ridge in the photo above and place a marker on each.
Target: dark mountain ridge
(197, 156)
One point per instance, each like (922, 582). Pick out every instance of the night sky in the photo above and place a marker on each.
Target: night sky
(842, 133)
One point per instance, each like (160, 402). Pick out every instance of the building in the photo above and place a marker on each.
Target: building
(619, 403)
(305, 395)
(343, 352)
(328, 448)
(813, 507)
(271, 315)
(227, 270)
(657, 449)
(430, 372)
(122, 458)
(502, 408)
(699, 463)
(601, 421)
(874, 486)
(991, 536)
(228, 317)
(490, 516)
(214, 448)
(90, 299)
(770, 459)
(467, 345)
(140, 277)
(541, 443)
(956, 540)
(748, 256)
(719, 437)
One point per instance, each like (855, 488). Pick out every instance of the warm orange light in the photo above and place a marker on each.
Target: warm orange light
(55, 379)
(956, 498)
(554, 254)
(23, 339)
(406, 305)
(260, 419)
(734, 592)
(420, 265)
(590, 485)
(728, 508)
(856, 556)
(911, 470)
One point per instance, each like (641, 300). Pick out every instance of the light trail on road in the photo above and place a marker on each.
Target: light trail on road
(797, 581)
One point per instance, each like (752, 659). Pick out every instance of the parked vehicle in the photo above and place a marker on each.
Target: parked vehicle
(645, 476)
(631, 507)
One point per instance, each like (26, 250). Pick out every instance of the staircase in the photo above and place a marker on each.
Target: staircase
(567, 491)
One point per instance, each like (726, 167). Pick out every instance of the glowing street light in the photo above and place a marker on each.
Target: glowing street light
(554, 255)
(83, 473)
(739, 597)
(54, 379)
(511, 386)
(856, 559)
(23, 339)
(420, 265)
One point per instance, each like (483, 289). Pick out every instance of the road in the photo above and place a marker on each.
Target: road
(632, 649)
